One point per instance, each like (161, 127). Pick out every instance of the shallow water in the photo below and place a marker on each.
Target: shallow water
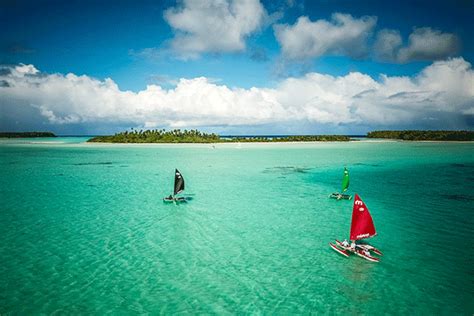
(84, 229)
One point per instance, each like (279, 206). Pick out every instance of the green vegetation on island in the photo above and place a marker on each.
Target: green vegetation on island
(25, 134)
(296, 138)
(195, 136)
(424, 135)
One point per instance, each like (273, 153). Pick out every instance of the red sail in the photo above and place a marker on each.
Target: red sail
(362, 225)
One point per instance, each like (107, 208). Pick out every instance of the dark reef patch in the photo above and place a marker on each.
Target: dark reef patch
(287, 170)
(458, 197)
(92, 163)
(367, 164)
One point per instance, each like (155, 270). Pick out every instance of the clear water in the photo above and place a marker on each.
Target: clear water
(84, 230)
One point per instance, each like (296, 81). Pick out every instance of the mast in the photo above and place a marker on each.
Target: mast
(362, 225)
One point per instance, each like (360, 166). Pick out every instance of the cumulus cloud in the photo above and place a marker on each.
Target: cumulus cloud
(423, 44)
(443, 89)
(343, 35)
(213, 26)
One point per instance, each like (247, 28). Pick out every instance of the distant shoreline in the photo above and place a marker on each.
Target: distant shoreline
(245, 144)
(26, 134)
(197, 137)
(423, 135)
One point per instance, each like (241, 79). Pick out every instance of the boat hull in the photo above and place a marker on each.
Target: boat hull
(371, 248)
(338, 250)
(340, 196)
(358, 252)
(366, 257)
(364, 246)
(174, 200)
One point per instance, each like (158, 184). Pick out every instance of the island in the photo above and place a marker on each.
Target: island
(26, 134)
(424, 135)
(195, 136)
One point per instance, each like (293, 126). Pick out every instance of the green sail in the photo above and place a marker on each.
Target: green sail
(345, 180)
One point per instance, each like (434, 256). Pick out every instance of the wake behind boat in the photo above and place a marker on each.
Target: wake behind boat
(345, 186)
(178, 188)
(362, 226)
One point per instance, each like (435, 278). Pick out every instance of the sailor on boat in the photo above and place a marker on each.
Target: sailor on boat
(345, 243)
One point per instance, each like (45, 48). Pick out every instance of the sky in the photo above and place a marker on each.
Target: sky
(236, 67)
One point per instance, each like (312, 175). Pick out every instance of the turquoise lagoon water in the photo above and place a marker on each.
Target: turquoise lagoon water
(84, 229)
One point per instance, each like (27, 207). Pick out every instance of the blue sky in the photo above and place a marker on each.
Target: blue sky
(141, 43)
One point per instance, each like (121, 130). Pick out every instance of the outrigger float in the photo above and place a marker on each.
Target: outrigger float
(178, 188)
(362, 226)
(345, 186)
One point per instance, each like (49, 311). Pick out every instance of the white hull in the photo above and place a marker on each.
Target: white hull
(338, 250)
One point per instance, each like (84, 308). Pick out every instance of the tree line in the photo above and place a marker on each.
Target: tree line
(424, 135)
(195, 136)
(25, 134)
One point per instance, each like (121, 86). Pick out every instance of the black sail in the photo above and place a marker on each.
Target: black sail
(178, 182)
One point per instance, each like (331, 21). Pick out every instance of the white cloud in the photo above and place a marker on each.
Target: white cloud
(213, 26)
(343, 35)
(423, 44)
(443, 88)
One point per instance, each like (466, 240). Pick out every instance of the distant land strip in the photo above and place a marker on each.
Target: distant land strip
(195, 136)
(424, 135)
(25, 134)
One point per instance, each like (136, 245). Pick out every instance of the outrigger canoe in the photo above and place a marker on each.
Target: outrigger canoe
(363, 246)
(362, 227)
(358, 251)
